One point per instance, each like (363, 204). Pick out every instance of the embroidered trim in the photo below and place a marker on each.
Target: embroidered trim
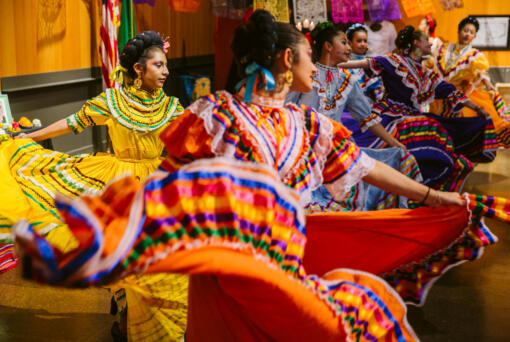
(421, 81)
(143, 115)
(462, 63)
(328, 106)
(370, 121)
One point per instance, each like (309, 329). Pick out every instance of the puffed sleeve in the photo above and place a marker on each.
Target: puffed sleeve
(454, 98)
(376, 65)
(186, 139)
(94, 112)
(480, 68)
(360, 109)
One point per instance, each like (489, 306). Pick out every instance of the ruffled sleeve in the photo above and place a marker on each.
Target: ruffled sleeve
(376, 65)
(480, 69)
(94, 112)
(345, 164)
(186, 140)
(359, 108)
(454, 98)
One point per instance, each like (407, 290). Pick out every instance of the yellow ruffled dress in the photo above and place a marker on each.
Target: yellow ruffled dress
(31, 175)
(466, 68)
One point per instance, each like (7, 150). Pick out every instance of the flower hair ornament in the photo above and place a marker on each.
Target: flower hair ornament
(321, 27)
(253, 81)
(355, 27)
(431, 23)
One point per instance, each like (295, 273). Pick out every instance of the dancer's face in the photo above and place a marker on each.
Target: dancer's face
(423, 44)
(466, 34)
(155, 72)
(359, 43)
(339, 50)
(424, 26)
(304, 69)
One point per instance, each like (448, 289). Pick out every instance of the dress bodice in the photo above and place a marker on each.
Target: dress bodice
(135, 119)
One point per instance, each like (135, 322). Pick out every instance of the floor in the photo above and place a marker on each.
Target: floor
(470, 303)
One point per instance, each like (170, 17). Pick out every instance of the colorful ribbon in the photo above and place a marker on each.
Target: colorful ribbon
(252, 72)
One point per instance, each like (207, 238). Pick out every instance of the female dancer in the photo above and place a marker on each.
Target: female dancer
(135, 116)
(436, 142)
(467, 69)
(428, 26)
(358, 40)
(234, 222)
(336, 90)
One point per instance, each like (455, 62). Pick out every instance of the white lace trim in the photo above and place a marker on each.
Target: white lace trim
(321, 149)
(449, 50)
(370, 123)
(425, 84)
(203, 109)
(359, 170)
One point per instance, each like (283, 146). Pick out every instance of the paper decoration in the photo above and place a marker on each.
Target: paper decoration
(184, 5)
(347, 11)
(380, 10)
(232, 9)
(416, 8)
(314, 10)
(448, 5)
(278, 8)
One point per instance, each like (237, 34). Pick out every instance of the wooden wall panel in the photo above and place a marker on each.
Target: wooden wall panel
(47, 35)
(194, 29)
(36, 42)
(447, 22)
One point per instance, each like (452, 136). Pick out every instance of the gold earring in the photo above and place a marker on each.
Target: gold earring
(289, 77)
(138, 82)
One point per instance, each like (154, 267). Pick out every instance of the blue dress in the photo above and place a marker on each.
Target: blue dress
(336, 90)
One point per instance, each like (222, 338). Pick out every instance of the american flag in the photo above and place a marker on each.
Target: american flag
(109, 50)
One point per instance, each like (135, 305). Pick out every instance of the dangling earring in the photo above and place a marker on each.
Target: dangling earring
(289, 77)
(138, 82)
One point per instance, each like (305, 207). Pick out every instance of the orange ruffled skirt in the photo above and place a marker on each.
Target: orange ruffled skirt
(240, 235)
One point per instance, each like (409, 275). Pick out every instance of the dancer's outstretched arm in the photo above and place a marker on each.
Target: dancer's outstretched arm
(56, 129)
(389, 179)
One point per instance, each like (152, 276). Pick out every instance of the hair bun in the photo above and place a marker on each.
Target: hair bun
(405, 37)
(136, 48)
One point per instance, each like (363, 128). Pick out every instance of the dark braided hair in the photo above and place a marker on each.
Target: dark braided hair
(351, 31)
(323, 32)
(138, 50)
(261, 39)
(469, 20)
(406, 37)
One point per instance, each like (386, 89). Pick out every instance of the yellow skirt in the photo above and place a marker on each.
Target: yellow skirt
(31, 175)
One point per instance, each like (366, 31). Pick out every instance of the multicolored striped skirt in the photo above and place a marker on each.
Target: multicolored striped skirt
(241, 236)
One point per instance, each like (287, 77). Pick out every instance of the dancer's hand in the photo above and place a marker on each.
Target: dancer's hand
(441, 198)
(482, 112)
(21, 136)
(399, 144)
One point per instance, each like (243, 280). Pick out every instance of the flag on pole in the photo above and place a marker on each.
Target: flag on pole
(127, 28)
(109, 49)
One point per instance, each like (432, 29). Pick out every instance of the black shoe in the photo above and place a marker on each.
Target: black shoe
(113, 307)
(118, 336)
